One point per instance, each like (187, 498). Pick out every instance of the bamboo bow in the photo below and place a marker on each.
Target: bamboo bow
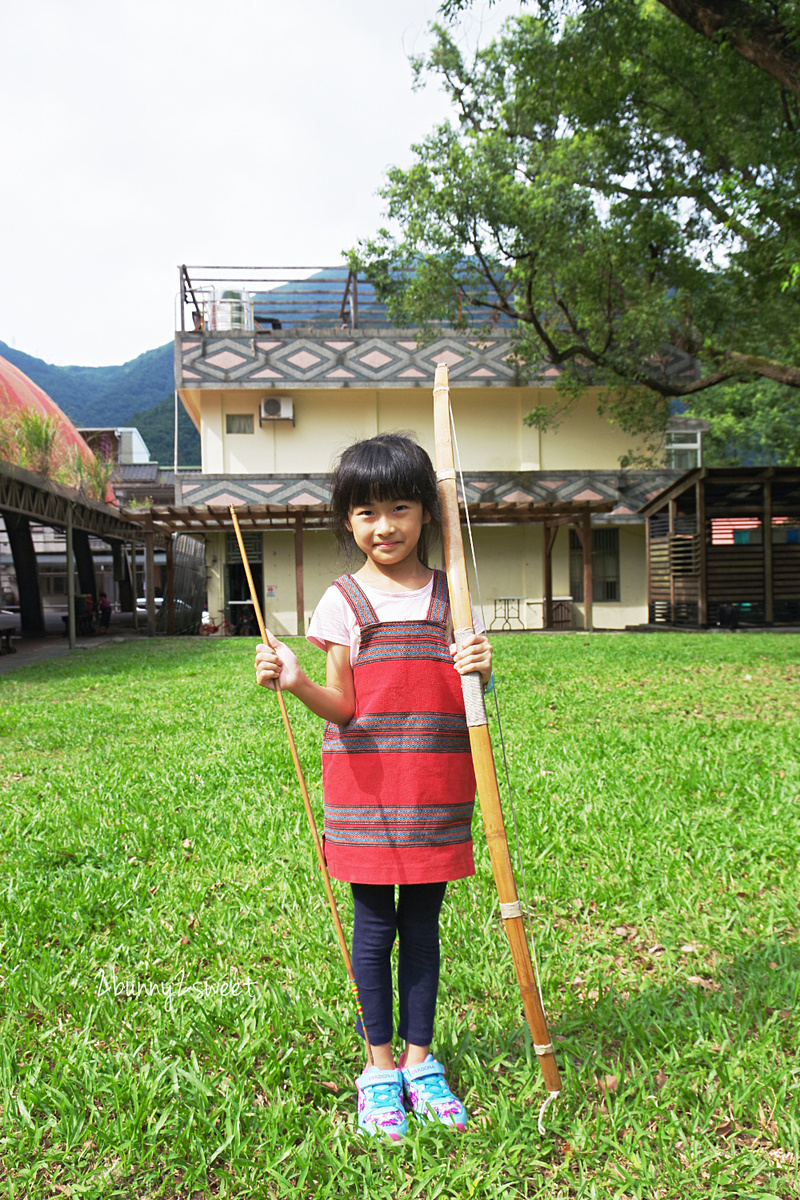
(323, 866)
(480, 744)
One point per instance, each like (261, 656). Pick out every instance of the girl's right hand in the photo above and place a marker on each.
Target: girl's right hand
(277, 661)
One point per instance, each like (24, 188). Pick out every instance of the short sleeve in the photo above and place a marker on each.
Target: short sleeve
(332, 621)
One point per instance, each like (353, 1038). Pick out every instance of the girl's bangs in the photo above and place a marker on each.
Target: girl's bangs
(380, 475)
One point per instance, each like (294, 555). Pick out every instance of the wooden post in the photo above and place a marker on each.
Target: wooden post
(298, 576)
(588, 571)
(134, 584)
(480, 742)
(649, 569)
(549, 540)
(769, 585)
(150, 582)
(170, 588)
(673, 512)
(70, 582)
(702, 554)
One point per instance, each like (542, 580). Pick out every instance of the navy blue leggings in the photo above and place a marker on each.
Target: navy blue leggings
(415, 919)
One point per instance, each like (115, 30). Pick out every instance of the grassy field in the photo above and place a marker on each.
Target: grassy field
(175, 1015)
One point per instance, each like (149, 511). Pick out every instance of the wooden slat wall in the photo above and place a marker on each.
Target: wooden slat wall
(735, 574)
(786, 571)
(659, 568)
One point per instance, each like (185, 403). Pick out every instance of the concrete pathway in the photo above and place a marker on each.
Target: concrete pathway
(29, 651)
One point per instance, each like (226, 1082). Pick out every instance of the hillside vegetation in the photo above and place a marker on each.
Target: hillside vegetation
(139, 392)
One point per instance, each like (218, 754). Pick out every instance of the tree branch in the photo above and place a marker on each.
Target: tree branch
(766, 43)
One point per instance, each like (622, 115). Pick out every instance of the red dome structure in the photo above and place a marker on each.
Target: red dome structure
(19, 394)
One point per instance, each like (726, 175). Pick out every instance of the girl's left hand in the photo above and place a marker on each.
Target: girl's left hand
(474, 655)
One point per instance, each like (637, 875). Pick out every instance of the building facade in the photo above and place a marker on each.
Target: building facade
(275, 404)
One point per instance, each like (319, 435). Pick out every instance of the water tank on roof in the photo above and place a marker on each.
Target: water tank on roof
(232, 308)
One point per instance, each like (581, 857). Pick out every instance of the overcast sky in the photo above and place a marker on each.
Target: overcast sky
(138, 136)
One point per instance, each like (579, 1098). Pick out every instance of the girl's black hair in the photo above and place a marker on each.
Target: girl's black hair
(391, 466)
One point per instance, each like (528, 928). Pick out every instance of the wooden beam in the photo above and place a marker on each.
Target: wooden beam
(150, 582)
(673, 513)
(134, 584)
(648, 570)
(298, 576)
(550, 532)
(588, 572)
(70, 582)
(702, 556)
(170, 589)
(769, 583)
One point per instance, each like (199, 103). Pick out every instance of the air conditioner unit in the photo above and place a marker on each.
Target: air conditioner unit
(276, 408)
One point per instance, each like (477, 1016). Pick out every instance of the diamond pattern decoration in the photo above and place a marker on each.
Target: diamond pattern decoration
(626, 490)
(226, 359)
(363, 359)
(375, 358)
(303, 359)
(448, 357)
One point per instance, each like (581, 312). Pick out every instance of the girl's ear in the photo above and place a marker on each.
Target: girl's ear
(426, 516)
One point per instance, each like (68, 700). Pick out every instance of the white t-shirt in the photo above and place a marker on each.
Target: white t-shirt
(334, 620)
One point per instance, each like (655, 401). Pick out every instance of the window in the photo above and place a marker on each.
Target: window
(605, 565)
(239, 423)
(684, 442)
(252, 547)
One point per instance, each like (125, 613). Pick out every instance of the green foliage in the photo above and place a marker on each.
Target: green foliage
(752, 424)
(157, 426)
(92, 475)
(175, 1015)
(35, 442)
(622, 189)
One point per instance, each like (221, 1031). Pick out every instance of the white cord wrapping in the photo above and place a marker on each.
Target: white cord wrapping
(553, 1096)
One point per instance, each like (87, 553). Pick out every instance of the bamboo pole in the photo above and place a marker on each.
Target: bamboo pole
(323, 866)
(480, 743)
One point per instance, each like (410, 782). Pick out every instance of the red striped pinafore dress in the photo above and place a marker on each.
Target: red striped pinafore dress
(398, 781)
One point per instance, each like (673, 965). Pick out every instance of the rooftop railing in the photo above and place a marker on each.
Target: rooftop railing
(261, 299)
(268, 298)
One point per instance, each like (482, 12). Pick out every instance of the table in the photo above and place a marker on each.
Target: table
(506, 610)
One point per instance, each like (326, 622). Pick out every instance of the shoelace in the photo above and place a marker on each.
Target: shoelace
(382, 1096)
(435, 1088)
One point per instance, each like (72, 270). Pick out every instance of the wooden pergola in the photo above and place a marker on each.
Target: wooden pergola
(550, 513)
(725, 536)
(27, 498)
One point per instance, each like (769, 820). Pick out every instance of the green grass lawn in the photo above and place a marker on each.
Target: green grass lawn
(175, 1015)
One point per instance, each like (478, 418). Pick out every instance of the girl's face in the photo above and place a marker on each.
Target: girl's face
(387, 530)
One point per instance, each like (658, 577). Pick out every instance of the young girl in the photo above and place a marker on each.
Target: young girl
(397, 772)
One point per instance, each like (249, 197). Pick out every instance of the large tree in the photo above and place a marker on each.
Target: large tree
(623, 186)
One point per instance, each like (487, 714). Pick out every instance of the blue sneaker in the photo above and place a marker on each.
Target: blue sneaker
(380, 1103)
(429, 1095)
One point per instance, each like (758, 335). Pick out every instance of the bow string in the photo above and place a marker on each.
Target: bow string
(480, 742)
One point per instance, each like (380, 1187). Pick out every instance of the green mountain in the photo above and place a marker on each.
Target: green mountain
(102, 395)
(131, 394)
(157, 424)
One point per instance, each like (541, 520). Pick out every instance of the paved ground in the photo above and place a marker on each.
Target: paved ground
(56, 645)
